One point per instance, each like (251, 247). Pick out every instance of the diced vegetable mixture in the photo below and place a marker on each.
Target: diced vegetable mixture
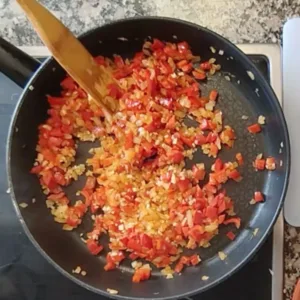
(137, 187)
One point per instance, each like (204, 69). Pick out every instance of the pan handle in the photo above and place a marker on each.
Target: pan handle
(16, 64)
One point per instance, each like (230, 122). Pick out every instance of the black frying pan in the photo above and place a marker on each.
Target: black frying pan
(65, 249)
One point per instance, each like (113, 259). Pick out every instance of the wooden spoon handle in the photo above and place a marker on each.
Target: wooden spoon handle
(69, 52)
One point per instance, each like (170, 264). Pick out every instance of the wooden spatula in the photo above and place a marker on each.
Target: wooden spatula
(70, 54)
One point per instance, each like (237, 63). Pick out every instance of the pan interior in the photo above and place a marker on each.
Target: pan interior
(239, 96)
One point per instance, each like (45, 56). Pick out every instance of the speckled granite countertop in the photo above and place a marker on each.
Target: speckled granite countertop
(241, 21)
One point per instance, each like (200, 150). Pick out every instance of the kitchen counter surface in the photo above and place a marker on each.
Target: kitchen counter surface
(241, 21)
(245, 21)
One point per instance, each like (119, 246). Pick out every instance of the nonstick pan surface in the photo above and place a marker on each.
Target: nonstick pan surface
(240, 95)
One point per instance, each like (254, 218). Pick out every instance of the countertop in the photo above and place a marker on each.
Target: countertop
(241, 21)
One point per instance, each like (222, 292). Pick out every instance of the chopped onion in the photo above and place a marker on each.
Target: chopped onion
(222, 255)
(112, 292)
(212, 49)
(261, 120)
(77, 270)
(251, 75)
(23, 205)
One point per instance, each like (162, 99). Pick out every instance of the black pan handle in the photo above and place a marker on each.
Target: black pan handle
(16, 64)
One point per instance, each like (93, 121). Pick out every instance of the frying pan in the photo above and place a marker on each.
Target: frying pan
(240, 95)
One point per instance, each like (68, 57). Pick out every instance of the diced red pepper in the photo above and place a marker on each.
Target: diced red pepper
(54, 142)
(93, 246)
(270, 163)
(134, 245)
(258, 197)
(73, 221)
(141, 274)
(49, 154)
(178, 268)
(146, 241)
(57, 132)
(109, 266)
(166, 177)
(157, 44)
(213, 95)
(183, 47)
(60, 178)
(235, 175)
(175, 156)
(36, 169)
(165, 68)
(204, 124)
(212, 212)
(239, 159)
(200, 139)
(210, 188)
(213, 150)
(221, 206)
(133, 256)
(259, 164)
(49, 180)
(195, 259)
(189, 141)
(87, 115)
(205, 66)
(171, 123)
(198, 217)
(155, 124)
(185, 231)
(221, 218)
(129, 140)
(211, 137)
(114, 91)
(81, 93)
(230, 235)
(90, 183)
(56, 196)
(122, 73)
(115, 258)
(65, 129)
(235, 220)
(69, 84)
(255, 128)
(100, 60)
(199, 75)
(183, 184)
(198, 173)
(185, 66)
(56, 100)
(196, 233)
(119, 61)
(221, 176)
(218, 165)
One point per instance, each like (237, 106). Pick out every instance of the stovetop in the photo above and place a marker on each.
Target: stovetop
(26, 275)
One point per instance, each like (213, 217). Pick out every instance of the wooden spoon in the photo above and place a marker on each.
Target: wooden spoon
(70, 54)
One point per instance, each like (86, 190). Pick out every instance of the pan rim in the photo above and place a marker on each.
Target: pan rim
(260, 240)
